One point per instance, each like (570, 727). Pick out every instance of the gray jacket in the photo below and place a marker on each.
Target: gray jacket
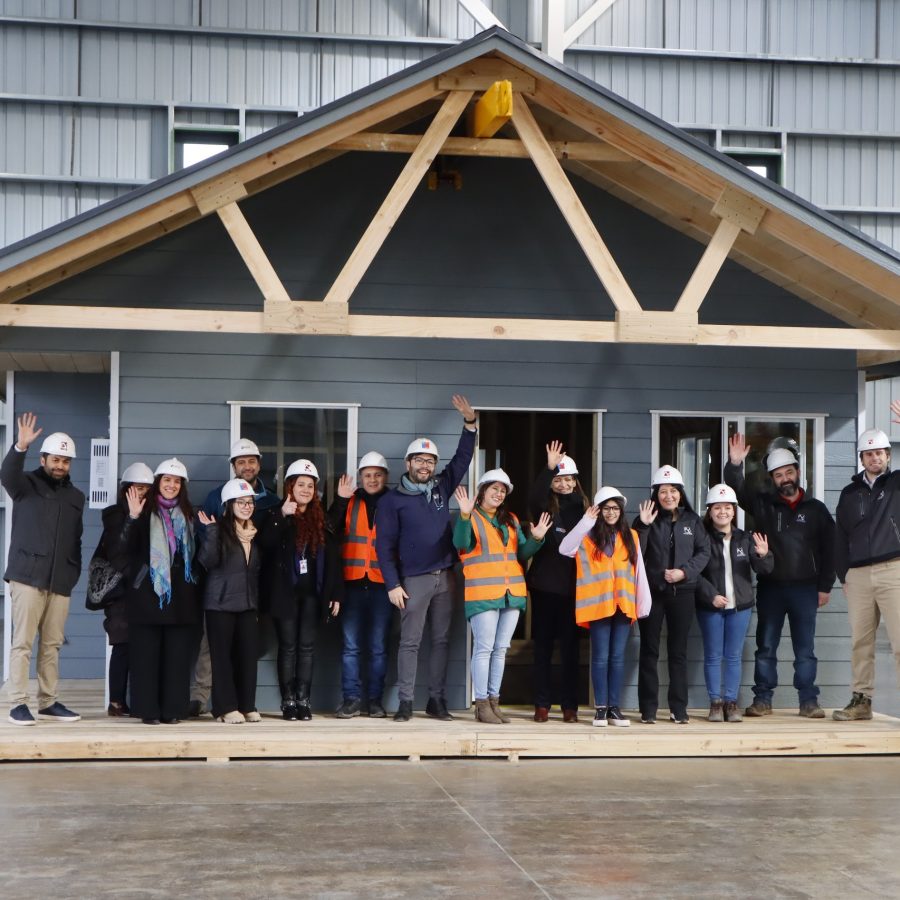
(45, 539)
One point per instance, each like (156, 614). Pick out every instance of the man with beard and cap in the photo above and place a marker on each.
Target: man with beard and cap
(414, 545)
(801, 535)
(867, 556)
(44, 565)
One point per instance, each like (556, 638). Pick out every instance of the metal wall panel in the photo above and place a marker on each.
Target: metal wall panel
(824, 28)
(157, 12)
(884, 228)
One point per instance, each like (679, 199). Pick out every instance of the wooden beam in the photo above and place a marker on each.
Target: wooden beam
(711, 262)
(480, 74)
(398, 196)
(219, 192)
(506, 148)
(127, 318)
(656, 327)
(584, 21)
(252, 253)
(740, 209)
(492, 110)
(867, 359)
(314, 317)
(572, 209)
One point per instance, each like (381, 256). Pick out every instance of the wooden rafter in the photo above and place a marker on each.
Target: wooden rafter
(398, 196)
(573, 211)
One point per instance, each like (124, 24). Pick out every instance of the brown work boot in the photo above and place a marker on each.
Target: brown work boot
(541, 714)
(758, 708)
(570, 715)
(495, 706)
(812, 710)
(859, 707)
(716, 711)
(484, 713)
(732, 713)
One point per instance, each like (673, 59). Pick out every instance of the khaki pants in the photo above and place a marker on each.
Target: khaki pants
(41, 614)
(873, 593)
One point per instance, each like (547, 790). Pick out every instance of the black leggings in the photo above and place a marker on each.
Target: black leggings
(118, 674)
(296, 642)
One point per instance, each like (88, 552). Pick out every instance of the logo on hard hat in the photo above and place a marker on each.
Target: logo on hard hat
(63, 445)
(426, 445)
(244, 486)
(667, 473)
(722, 492)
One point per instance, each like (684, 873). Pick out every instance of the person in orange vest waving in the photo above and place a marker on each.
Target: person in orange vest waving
(366, 613)
(493, 548)
(611, 592)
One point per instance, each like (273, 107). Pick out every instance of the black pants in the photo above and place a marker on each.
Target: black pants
(118, 674)
(676, 606)
(552, 619)
(160, 657)
(296, 642)
(232, 641)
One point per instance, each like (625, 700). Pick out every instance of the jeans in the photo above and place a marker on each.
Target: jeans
(800, 603)
(553, 618)
(724, 631)
(492, 631)
(296, 644)
(365, 621)
(609, 637)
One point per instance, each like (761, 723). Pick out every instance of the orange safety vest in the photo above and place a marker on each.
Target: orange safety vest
(491, 568)
(604, 585)
(358, 550)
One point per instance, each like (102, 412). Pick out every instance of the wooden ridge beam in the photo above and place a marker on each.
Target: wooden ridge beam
(398, 196)
(480, 74)
(573, 210)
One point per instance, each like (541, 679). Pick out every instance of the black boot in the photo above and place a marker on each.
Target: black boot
(289, 701)
(304, 713)
(404, 711)
(437, 709)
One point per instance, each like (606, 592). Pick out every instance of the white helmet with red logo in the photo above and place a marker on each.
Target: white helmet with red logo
(423, 445)
(58, 444)
(667, 475)
(235, 488)
(301, 467)
(720, 493)
(873, 439)
(566, 466)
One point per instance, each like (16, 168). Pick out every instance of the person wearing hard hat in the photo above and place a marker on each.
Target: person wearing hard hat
(867, 559)
(112, 553)
(551, 584)
(676, 550)
(301, 579)
(162, 594)
(245, 461)
(493, 549)
(611, 594)
(800, 531)
(366, 612)
(414, 545)
(44, 563)
(231, 557)
(725, 599)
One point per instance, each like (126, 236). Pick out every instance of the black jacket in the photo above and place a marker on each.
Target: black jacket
(112, 548)
(550, 571)
(278, 587)
(801, 539)
(45, 536)
(743, 559)
(868, 523)
(681, 543)
(231, 584)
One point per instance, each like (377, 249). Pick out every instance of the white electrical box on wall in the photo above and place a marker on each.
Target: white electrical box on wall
(102, 480)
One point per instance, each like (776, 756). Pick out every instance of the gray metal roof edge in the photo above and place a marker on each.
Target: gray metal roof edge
(490, 40)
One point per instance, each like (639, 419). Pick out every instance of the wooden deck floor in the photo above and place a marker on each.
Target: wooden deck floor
(98, 737)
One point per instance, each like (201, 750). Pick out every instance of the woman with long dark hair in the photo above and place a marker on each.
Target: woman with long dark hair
(675, 546)
(162, 596)
(551, 583)
(611, 592)
(493, 549)
(229, 553)
(301, 574)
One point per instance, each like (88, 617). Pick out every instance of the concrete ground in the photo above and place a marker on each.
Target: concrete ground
(793, 828)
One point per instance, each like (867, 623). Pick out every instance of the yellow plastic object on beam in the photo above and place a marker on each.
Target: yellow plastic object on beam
(492, 111)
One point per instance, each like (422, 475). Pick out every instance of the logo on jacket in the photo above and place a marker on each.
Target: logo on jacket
(739, 552)
(687, 531)
(801, 518)
(880, 496)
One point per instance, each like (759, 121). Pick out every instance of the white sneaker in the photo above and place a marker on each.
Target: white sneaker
(252, 716)
(232, 718)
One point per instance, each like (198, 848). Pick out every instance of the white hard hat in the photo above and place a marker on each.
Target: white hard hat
(422, 445)
(373, 459)
(720, 493)
(59, 444)
(781, 457)
(493, 475)
(566, 466)
(235, 488)
(137, 473)
(667, 475)
(173, 466)
(873, 439)
(244, 447)
(607, 493)
(301, 467)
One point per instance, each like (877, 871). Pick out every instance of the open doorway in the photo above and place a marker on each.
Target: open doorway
(693, 444)
(515, 440)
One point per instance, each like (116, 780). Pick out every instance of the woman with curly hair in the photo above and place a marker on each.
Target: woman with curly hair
(300, 575)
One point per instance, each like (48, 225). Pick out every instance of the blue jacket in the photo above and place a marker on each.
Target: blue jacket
(413, 533)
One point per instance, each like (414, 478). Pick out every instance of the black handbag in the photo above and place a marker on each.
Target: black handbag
(104, 584)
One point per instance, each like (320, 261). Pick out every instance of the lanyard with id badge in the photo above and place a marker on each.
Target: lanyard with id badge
(302, 563)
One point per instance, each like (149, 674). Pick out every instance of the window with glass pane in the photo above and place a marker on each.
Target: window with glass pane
(284, 434)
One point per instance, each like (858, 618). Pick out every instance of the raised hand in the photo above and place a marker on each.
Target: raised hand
(648, 512)
(205, 519)
(466, 505)
(760, 544)
(27, 430)
(541, 527)
(555, 453)
(895, 409)
(135, 502)
(463, 407)
(345, 487)
(738, 449)
(289, 507)
(593, 512)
